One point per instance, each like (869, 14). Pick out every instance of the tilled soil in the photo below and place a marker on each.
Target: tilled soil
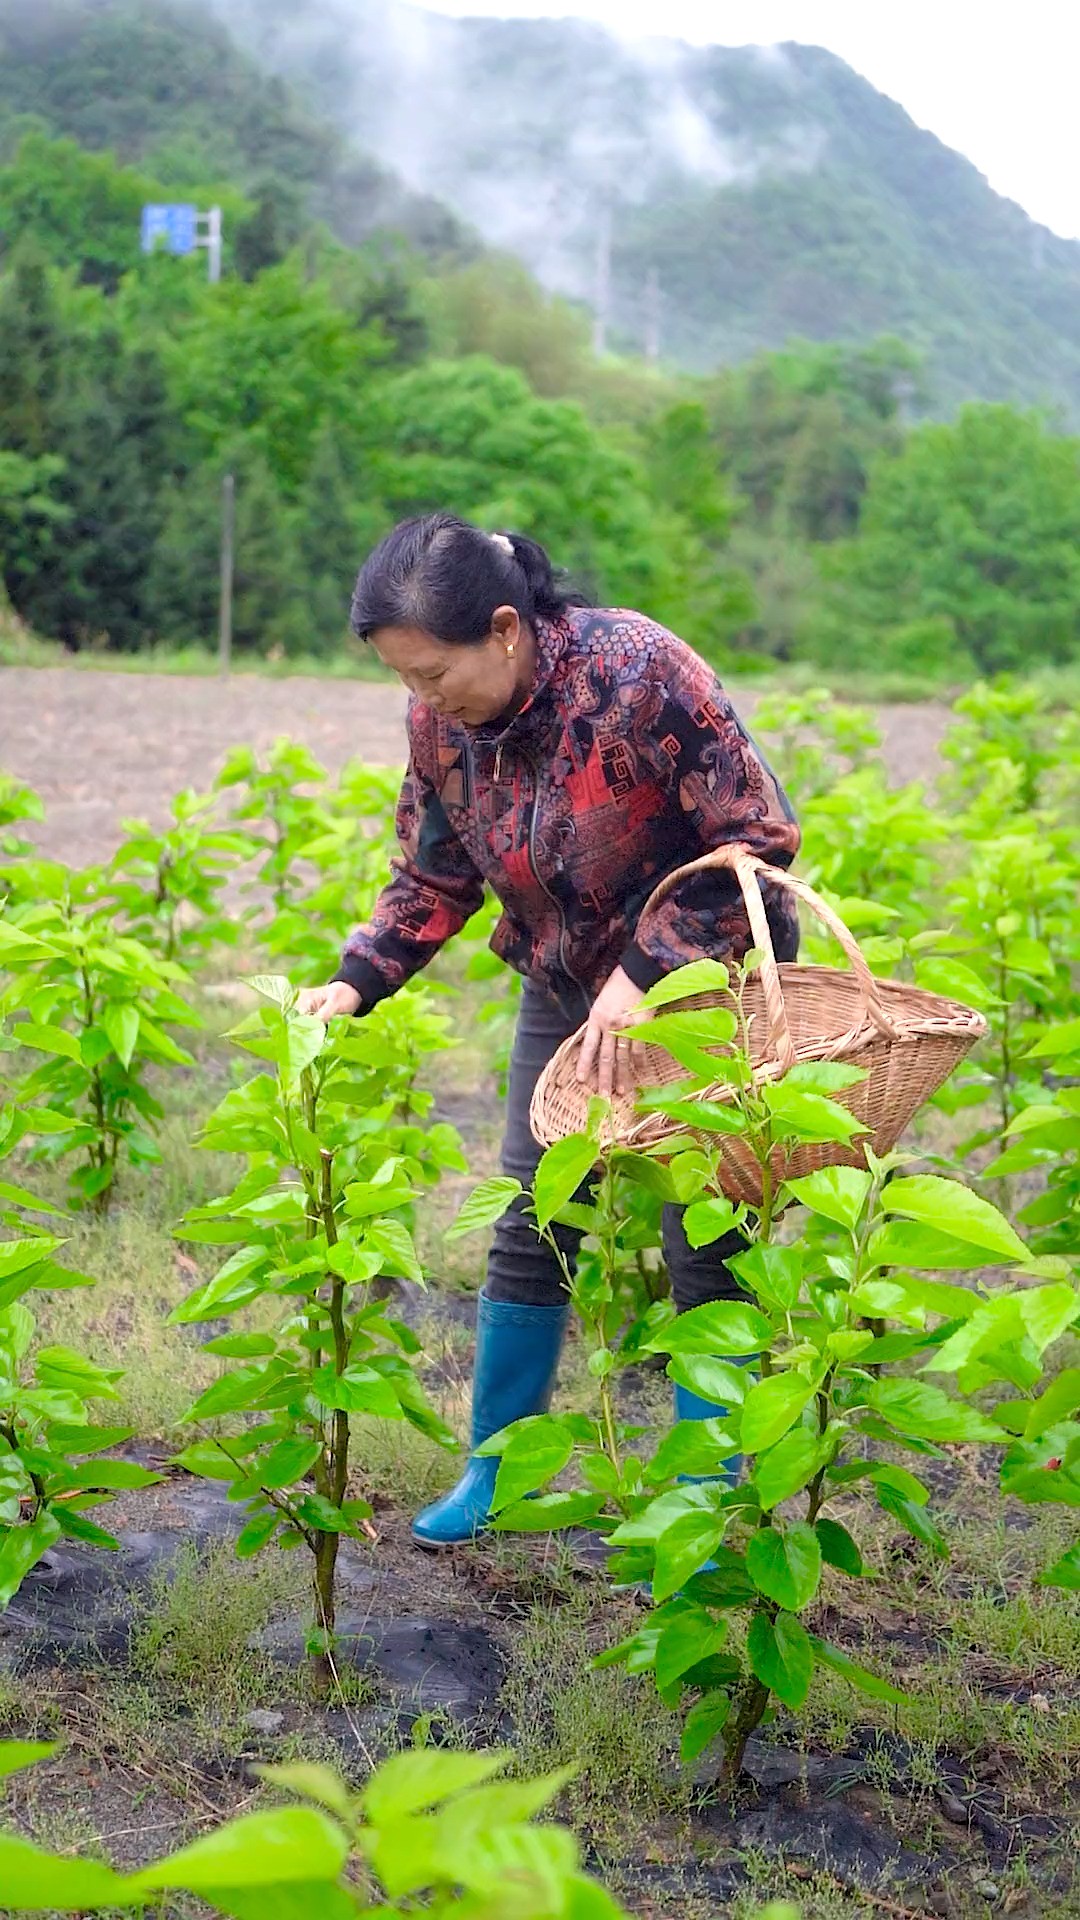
(104, 747)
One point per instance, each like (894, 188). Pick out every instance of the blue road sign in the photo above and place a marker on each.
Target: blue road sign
(170, 226)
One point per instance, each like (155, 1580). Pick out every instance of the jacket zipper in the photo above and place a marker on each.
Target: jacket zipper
(563, 933)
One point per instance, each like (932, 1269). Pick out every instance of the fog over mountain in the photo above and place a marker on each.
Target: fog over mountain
(749, 194)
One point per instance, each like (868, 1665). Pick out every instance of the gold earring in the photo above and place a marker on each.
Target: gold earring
(510, 650)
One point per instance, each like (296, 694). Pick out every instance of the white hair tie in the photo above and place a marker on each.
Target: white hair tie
(503, 540)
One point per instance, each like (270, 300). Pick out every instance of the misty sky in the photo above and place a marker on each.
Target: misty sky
(1004, 92)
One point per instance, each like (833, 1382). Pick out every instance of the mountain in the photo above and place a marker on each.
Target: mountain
(168, 87)
(771, 191)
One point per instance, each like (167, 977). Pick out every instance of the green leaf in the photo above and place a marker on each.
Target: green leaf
(17, 1754)
(719, 1327)
(953, 1209)
(22, 1197)
(808, 1116)
(775, 1274)
(785, 1564)
(258, 1850)
(1061, 1398)
(691, 1447)
(926, 1413)
(548, 1512)
(689, 1036)
(836, 1193)
(244, 1387)
(701, 976)
(771, 1408)
(274, 987)
(360, 1389)
(309, 1781)
(46, 1039)
(906, 1243)
(392, 1240)
(720, 1381)
(70, 1372)
(533, 1455)
(916, 1521)
(688, 1636)
(707, 1220)
(257, 1533)
(304, 1039)
(20, 1549)
(955, 981)
(1058, 1041)
(860, 1677)
(485, 1204)
(787, 1467)
(235, 1284)
(702, 1116)
(241, 1346)
(1064, 1572)
(412, 1782)
(288, 1460)
(36, 1882)
(782, 1657)
(19, 949)
(121, 1023)
(209, 1461)
(683, 1549)
(824, 1076)
(706, 1718)
(561, 1172)
(838, 1548)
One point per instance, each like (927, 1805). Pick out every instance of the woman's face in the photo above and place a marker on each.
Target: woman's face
(473, 684)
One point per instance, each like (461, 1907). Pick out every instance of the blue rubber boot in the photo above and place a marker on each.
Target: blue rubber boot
(517, 1356)
(691, 1406)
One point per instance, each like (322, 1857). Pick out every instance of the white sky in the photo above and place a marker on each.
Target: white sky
(1003, 90)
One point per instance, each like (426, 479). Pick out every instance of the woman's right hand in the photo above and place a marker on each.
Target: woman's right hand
(327, 1002)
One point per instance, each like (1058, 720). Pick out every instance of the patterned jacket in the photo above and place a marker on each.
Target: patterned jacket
(627, 761)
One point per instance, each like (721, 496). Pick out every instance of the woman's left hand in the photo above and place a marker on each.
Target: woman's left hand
(606, 1056)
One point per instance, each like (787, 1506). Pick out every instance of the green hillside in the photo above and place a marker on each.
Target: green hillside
(774, 192)
(165, 86)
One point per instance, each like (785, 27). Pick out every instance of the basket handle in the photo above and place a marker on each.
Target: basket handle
(746, 866)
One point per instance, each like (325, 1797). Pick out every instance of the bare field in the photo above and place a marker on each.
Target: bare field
(104, 747)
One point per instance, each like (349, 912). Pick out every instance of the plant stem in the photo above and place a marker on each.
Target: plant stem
(337, 1473)
(752, 1702)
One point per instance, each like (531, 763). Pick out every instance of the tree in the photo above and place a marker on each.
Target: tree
(335, 527)
(269, 608)
(471, 435)
(33, 348)
(975, 524)
(271, 361)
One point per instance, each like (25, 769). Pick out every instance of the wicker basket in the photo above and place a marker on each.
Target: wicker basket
(907, 1040)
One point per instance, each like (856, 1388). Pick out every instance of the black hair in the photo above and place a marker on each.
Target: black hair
(443, 575)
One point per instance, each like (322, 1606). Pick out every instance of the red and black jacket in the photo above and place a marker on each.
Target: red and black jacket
(627, 761)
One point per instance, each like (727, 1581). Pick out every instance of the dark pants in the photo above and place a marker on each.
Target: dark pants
(522, 1268)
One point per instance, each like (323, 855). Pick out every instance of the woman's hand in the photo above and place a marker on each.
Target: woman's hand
(605, 1055)
(327, 1002)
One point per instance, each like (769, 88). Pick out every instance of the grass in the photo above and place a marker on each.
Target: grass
(21, 648)
(192, 1640)
(608, 1727)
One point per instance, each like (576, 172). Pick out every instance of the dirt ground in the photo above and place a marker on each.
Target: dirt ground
(104, 747)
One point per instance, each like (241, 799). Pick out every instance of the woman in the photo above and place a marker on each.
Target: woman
(570, 756)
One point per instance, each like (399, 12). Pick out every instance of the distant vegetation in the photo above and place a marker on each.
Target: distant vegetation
(773, 191)
(781, 510)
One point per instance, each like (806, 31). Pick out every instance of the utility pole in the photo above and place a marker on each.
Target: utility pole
(213, 245)
(228, 522)
(602, 298)
(652, 318)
